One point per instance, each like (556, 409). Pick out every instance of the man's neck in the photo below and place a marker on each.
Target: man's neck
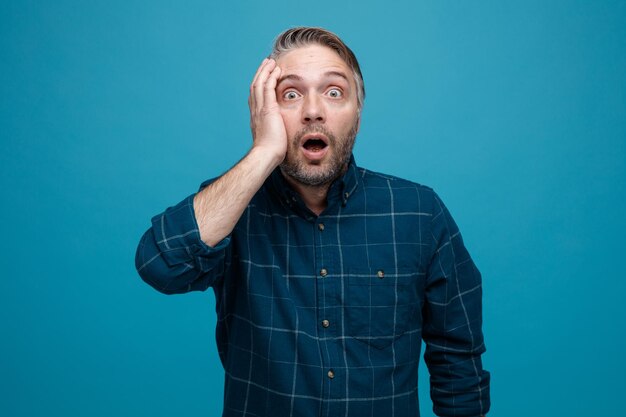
(314, 196)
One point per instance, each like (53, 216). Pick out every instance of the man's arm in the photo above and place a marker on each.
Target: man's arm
(185, 248)
(219, 206)
(453, 323)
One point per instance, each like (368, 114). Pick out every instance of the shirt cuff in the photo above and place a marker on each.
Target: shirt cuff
(178, 237)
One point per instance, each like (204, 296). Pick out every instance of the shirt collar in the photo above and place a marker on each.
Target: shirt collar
(340, 190)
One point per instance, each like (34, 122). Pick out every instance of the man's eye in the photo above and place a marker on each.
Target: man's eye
(290, 95)
(335, 93)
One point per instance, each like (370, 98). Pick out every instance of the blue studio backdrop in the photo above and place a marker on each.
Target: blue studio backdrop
(110, 111)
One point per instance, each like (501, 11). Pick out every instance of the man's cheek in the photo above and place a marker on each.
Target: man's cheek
(291, 126)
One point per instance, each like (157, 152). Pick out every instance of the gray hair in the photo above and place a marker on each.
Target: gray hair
(303, 36)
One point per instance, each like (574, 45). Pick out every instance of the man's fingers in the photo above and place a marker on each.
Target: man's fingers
(263, 95)
(251, 101)
(258, 70)
(255, 80)
(259, 84)
(269, 93)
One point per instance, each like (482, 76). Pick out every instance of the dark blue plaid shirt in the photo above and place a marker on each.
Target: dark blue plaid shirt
(324, 316)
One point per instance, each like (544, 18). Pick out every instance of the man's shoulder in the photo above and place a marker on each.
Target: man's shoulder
(373, 179)
(404, 195)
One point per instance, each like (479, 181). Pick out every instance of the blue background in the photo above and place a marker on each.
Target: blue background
(514, 111)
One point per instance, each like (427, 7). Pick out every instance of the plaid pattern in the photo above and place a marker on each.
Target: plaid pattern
(324, 316)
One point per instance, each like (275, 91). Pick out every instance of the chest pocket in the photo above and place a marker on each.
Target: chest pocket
(381, 305)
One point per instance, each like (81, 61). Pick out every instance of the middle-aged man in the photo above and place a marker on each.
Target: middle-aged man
(327, 276)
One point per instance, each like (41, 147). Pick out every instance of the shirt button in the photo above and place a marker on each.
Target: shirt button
(380, 274)
(325, 323)
(320, 226)
(331, 374)
(323, 272)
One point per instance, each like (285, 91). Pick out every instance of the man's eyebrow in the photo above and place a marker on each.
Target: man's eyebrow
(337, 74)
(299, 78)
(288, 77)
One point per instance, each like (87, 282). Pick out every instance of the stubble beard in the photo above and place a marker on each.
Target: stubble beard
(297, 168)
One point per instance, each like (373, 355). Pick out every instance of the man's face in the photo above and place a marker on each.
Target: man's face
(317, 96)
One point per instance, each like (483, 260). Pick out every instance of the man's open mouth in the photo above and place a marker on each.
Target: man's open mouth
(314, 145)
(314, 141)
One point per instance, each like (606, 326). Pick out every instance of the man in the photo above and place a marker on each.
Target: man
(327, 276)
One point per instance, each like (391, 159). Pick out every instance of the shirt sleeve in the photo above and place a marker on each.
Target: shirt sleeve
(173, 259)
(453, 323)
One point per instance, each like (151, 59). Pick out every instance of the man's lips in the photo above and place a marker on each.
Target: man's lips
(311, 139)
(314, 146)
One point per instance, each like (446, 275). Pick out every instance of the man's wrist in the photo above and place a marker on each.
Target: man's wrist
(266, 156)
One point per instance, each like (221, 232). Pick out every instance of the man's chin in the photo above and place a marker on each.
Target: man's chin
(308, 177)
(312, 175)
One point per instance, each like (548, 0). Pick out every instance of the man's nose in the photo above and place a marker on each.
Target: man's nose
(313, 110)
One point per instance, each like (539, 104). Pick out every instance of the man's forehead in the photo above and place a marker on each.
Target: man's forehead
(312, 61)
(318, 55)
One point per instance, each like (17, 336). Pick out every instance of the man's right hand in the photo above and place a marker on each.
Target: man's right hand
(266, 121)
